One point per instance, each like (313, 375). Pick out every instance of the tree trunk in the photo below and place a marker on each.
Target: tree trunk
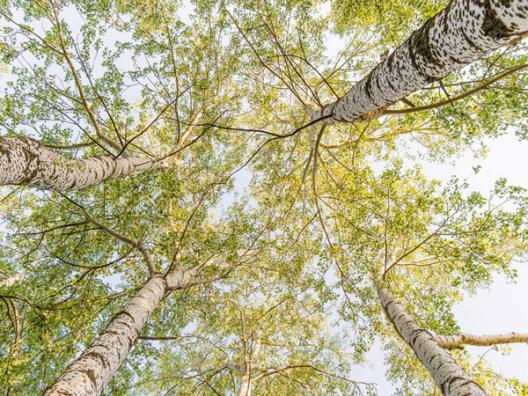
(26, 162)
(447, 374)
(462, 33)
(245, 386)
(459, 340)
(91, 372)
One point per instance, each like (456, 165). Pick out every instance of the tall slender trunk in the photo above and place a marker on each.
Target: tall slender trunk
(26, 162)
(447, 374)
(246, 386)
(247, 379)
(91, 372)
(460, 34)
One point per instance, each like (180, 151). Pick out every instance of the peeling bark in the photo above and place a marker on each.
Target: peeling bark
(26, 162)
(459, 340)
(462, 33)
(447, 374)
(91, 372)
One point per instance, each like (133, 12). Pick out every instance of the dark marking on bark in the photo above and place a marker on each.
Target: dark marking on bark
(378, 86)
(419, 45)
(113, 332)
(4, 150)
(97, 356)
(492, 26)
(471, 42)
(90, 374)
(368, 85)
(389, 83)
(63, 393)
(30, 158)
(131, 341)
(127, 314)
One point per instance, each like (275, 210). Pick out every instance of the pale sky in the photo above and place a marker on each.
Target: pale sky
(502, 308)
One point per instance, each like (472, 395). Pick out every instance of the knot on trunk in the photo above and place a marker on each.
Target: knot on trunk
(177, 279)
(371, 115)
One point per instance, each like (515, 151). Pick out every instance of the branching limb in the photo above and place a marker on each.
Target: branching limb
(458, 341)
(133, 242)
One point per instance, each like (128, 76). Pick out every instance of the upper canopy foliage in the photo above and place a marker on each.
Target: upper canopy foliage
(291, 225)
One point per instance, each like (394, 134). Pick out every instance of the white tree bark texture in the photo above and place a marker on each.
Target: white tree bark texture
(94, 368)
(459, 340)
(246, 386)
(447, 374)
(26, 162)
(465, 31)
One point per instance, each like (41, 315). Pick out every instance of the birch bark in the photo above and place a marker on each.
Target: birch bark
(447, 374)
(462, 33)
(91, 372)
(26, 162)
(459, 340)
(245, 386)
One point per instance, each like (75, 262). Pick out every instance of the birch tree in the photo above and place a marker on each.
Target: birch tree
(26, 162)
(94, 368)
(91, 372)
(440, 109)
(253, 345)
(68, 121)
(460, 34)
(448, 375)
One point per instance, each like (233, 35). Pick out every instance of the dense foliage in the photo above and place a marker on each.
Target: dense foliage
(290, 226)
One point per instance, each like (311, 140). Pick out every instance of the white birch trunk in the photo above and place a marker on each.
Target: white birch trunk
(246, 382)
(246, 386)
(90, 373)
(447, 374)
(26, 162)
(462, 33)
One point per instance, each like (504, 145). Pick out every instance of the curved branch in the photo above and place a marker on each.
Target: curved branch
(461, 96)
